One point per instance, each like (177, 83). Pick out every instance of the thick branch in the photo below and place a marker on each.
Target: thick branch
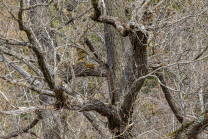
(115, 22)
(97, 106)
(91, 47)
(139, 41)
(43, 68)
(97, 11)
(191, 129)
(114, 119)
(169, 97)
(123, 28)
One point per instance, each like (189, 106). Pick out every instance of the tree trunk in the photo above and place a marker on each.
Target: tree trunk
(119, 52)
(127, 60)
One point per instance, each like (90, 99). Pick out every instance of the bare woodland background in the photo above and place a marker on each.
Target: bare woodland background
(59, 71)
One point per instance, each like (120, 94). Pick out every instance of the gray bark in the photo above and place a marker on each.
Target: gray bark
(50, 119)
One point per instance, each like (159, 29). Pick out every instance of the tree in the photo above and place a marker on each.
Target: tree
(158, 43)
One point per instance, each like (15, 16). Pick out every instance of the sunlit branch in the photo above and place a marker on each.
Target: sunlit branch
(22, 110)
(28, 86)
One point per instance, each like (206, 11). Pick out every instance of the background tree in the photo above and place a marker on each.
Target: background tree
(92, 69)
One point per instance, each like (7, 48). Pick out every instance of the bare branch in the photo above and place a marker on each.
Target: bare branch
(7, 99)
(123, 28)
(169, 97)
(20, 57)
(97, 106)
(36, 5)
(110, 112)
(23, 110)
(43, 68)
(24, 130)
(91, 47)
(92, 120)
(74, 18)
(34, 88)
(39, 55)
(192, 129)
(200, 54)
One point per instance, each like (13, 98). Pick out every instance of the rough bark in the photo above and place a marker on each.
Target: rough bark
(127, 60)
(50, 119)
(192, 129)
(119, 52)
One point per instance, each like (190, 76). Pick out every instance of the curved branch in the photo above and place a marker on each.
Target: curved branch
(123, 28)
(39, 55)
(97, 106)
(114, 119)
(200, 54)
(24, 130)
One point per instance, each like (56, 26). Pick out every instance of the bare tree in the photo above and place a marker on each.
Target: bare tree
(106, 62)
